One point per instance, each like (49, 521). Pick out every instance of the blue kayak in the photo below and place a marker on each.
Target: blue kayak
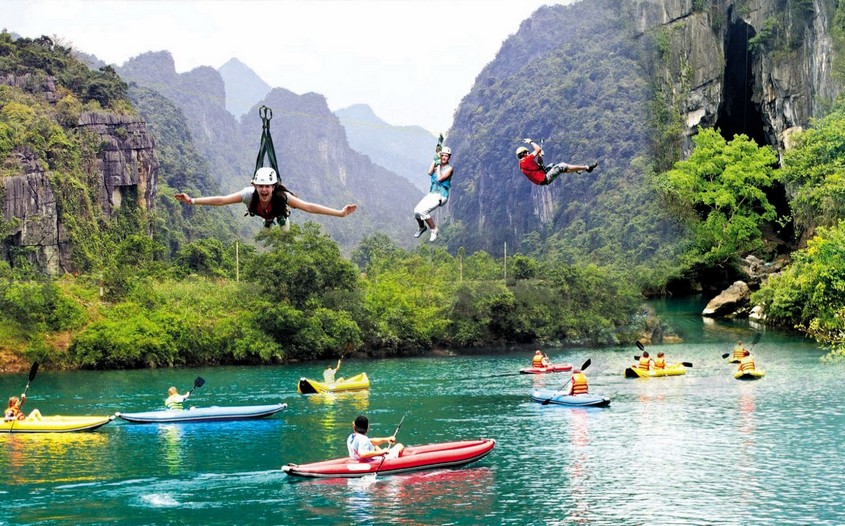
(203, 414)
(557, 398)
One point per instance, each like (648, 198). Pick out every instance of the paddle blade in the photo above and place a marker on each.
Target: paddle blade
(199, 381)
(640, 346)
(726, 355)
(636, 357)
(686, 364)
(33, 371)
(756, 339)
(587, 363)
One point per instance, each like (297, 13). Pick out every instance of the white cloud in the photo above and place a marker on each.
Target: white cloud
(411, 60)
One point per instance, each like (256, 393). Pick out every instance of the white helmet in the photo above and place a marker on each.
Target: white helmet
(265, 175)
(446, 150)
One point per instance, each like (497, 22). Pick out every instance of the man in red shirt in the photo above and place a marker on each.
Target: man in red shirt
(531, 164)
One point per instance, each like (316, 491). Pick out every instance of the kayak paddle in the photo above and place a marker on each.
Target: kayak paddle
(32, 372)
(375, 473)
(549, 399)
(199, 381)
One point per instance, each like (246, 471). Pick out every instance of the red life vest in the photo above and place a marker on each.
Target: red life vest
(532, 170)
(579, 384)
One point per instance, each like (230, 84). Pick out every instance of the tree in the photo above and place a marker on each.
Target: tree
(719, 193)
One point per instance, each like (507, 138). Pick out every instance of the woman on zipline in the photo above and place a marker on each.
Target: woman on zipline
(268, 198)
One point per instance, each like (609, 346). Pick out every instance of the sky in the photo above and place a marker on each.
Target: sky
(410, 60)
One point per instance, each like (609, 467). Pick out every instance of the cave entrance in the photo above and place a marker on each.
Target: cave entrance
(737, 113)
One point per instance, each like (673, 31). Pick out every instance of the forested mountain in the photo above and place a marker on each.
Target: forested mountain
(627, 83)
(316, 162)
(404, 150)
(570, 77)
(244, 87)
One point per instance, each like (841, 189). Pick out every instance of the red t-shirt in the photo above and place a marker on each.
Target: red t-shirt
(531, 169)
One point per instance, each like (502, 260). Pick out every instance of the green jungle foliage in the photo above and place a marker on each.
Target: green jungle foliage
(720, 192)
(300, 299)
(41, 57)
(814, 172)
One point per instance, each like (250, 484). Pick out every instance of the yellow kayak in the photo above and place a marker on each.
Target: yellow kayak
(55, 424)
(756, 374)
(355, 383)
(675, 369)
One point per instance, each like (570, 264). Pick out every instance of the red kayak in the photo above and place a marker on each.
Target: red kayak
(554, 368)
(416, 458)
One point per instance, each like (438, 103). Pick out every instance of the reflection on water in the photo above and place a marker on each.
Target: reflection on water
(29, 457)
(171, 435)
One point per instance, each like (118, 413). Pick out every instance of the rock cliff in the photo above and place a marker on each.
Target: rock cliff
(126, 165)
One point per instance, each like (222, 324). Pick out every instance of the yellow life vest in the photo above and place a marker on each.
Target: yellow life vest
(659, 363)
(579, 384)
(644, 363)
(738, 350)
(747, 363)
(537, 361)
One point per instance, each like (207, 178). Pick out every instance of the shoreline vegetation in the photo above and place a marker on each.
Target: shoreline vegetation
(298, 299)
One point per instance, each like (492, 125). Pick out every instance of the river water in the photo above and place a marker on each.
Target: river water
(696, 449)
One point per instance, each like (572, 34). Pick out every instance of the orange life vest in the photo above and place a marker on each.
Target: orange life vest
(579, 384)
(14, 413)
(659, 363)
(537, 361)
(747, 363)
(645, 362)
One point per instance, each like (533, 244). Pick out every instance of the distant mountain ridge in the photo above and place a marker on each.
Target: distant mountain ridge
(244, 88)
(405, 150)
(316, 162)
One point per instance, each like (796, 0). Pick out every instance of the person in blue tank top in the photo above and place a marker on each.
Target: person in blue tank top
(438, 193)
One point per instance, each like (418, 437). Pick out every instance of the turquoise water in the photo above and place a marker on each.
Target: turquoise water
(696, 449)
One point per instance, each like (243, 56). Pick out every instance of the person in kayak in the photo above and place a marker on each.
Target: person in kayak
(645, 362)
(328, 374)
(738, 352)
(746, 364)
(14, 411)
(174, 399)
(532, 166)
(660, 362)
(362, 447)
(268, 198)
(578, 383)
(438, 193)
(540, 359)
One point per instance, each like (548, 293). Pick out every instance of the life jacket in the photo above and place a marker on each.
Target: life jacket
(660, 363)
(174, 402)
(738, 350)
(537, 361)
(13, 413)
(278, 206)
(579, 384)
(645, 363)
(747, 363)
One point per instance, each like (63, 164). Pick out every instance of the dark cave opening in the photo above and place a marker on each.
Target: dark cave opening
(738, 113)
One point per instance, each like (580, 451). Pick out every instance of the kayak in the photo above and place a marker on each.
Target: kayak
(354, 383)
(203, 414)
(670, 370)
(756, 374)
(581, 400)
(416, 458)
(554, 368)
(55, 424)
